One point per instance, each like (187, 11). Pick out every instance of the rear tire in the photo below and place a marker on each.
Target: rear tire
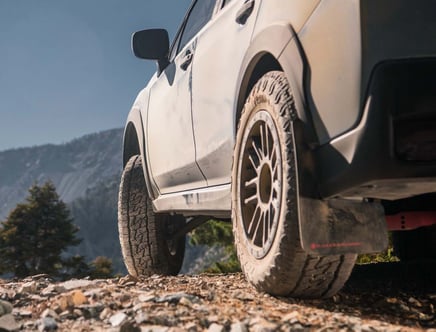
(143, 233)
(265, 201)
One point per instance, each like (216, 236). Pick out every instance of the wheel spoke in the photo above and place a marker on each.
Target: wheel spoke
(264, 140)
(274, 162)
(265, 227)
(272, 213)
(253, 163)
(254, 220)
(256, 230)
(256, 149)
(251, 182)
(251, 200)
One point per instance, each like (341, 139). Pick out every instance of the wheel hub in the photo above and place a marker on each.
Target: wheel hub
(260, 176)
(265, 182)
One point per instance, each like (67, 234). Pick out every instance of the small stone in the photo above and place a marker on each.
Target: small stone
(129, 327)
(74, 284)
(29, 325)
(243, 296)
(415, 302)
(191, 327)
(53, 289)
(47, 324)
(261, 325)
(154, 328)
(118, 319)
(186, 302)
(71, 300)
(65, 315)
(23, 313)
(106, 312)
(49, 313)
(28, 287)
(404, 307)
(128, 281)
(5, 308)
(91, 311)
(146, 297)
(298, 327)
(78, 298)
(292, 318)
(238, 327)
(8, 323)
(142, 318)
(367, 328)
(174, 298)
(214, 327)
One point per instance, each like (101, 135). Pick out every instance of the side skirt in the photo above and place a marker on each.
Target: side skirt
(214, 202)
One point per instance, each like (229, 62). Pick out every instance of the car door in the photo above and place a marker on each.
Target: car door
(217, 61)
(170, 140)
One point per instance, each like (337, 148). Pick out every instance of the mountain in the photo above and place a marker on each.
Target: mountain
(86, 173)
(73, 167)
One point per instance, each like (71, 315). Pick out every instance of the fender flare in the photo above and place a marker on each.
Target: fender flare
(280, 41)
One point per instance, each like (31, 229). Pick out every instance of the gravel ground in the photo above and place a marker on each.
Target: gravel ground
(378, 297)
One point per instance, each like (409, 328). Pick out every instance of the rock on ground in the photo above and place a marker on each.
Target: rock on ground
(377, 298)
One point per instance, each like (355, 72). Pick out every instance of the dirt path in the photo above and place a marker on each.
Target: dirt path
(378, 297)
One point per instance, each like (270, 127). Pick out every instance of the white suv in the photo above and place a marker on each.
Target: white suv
(307, 123)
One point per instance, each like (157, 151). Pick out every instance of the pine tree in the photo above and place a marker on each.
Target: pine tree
(218, 233)
(101, 268)
(36, 233)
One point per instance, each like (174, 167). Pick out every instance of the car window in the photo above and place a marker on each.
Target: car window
(198, 17)
(225, 2)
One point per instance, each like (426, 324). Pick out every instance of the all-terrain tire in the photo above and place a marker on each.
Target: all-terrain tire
(144, 233)
(265, 201)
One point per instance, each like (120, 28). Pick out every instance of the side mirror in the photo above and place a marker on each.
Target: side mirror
(151, 44)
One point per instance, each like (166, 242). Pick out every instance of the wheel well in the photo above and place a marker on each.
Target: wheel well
(259, 66)
(131, 144)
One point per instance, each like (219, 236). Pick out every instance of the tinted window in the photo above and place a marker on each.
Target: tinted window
(225, 2)
(199, 16)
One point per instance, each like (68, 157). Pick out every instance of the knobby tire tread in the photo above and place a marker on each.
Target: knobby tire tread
(289, 271)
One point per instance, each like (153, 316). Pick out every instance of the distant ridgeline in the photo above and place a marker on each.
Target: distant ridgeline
(86, 173)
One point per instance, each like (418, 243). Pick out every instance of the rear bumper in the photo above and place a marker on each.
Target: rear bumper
(390, 154)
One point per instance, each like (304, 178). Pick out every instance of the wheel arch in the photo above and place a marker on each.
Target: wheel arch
(134, 144)
(273, 48)
(131, 144)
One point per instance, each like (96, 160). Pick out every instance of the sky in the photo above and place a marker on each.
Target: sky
(66, 66)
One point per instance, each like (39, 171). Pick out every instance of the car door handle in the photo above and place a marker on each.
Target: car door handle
(187, 59)
(245, 11)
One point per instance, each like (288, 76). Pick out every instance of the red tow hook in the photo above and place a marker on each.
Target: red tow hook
(406, 221)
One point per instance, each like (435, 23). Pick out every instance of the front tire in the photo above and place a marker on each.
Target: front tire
(143, 233)
(265, 201)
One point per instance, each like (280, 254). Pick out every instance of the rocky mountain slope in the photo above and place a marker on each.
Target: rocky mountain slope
(86, 173)
(73, 167)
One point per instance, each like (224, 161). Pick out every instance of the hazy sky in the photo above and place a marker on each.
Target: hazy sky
(66, 67)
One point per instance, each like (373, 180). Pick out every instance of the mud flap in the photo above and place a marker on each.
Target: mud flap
(339, 226)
